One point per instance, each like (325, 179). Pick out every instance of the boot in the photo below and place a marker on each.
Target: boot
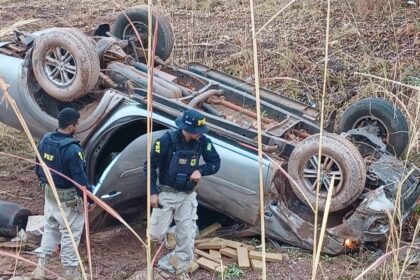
(170, 241)
(39, 272)
(72, 273)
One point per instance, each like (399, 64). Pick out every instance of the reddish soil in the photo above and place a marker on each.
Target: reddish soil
(117, 254)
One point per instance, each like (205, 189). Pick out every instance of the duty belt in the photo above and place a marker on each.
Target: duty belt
(66, 195)
(165, 188)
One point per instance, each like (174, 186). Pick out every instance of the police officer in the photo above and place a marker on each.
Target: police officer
(176, 155)
(61, 152)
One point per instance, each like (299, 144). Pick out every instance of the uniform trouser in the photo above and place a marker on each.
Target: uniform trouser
(55, 231)
(182, 207)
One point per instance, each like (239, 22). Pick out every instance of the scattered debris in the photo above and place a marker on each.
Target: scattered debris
(214, 244)
(229, 252)
(210, 252)
(139, 275)
(210, 265)
(207, 255)
(256, 264)
(193, 267)
(243, 258)
(269, 257)
(21, 236)
(209, 230)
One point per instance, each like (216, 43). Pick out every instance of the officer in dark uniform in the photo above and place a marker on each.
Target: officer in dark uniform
(176, 155)
(61, 152)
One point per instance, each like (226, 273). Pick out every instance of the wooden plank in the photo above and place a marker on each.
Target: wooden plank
(269, 257)
(233, 244)
(229, 252)
(250, 247)
(209, 230)
(210, 265)
(212, 245)
(18, 245)
(256, 264)
(243, 259)
(215, 253)
(207, 255)
(204, 240)
(164, 275)
(193, 267)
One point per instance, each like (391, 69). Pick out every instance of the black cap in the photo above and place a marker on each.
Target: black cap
(67, 116)
(193, 122)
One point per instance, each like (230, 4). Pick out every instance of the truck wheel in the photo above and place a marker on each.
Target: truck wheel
(138, 16)
(390, 121)
(90, 45)
(64, 65)
(339, 158)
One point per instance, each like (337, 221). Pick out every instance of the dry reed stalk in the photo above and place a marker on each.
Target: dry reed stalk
(321, 125)
(9, 29)
(323, 228)
(388, 80)
(378, 262)
(150, 62)
(87, 232)
(259, 139)
(17, 257)
(276, 15)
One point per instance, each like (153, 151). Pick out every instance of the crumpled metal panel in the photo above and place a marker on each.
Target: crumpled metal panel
(391, 172)
(2, 44)
(362, 224)
(288, 227)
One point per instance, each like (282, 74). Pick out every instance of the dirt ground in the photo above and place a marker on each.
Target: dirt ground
(117, 254)
(364, 38)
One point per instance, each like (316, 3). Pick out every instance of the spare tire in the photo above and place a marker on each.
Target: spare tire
(64, 65)
(139, 18)
(390, 121)
(13, 217)
(339, 158)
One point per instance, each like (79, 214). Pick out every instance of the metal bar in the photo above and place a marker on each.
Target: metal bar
(281, 101)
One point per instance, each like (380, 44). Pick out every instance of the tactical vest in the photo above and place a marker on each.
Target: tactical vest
(51, 152)
(183, 164)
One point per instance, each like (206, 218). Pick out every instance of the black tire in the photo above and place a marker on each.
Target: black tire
(90, 45)
(81, 67)
(138, 15)
(390, 120)
(13, 217)
(342, 159)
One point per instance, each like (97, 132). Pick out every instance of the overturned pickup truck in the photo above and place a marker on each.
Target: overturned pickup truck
(105, 78)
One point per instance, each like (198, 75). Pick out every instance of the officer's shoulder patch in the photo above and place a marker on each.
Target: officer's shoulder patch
(209, 146)
(75, 149)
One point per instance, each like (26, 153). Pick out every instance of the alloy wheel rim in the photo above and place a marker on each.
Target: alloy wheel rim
(329, 169)
(60, 66)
